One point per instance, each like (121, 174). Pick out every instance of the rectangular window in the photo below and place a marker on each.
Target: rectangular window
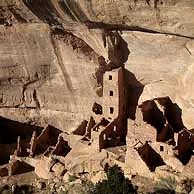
(111, 93)
(110, 77)
(111, 110)
(161, 148)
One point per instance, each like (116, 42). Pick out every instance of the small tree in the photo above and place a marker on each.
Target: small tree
(116, 183)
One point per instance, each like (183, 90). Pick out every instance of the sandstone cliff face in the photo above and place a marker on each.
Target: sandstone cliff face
(38, 78)
(170, 16)
(49, 51)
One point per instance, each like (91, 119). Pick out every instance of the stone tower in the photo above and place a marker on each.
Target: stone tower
(114, 94)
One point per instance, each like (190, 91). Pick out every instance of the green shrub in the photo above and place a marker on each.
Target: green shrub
(116, 183)
(22, 189)
(72, 178)
(166, 185)
(5, 190)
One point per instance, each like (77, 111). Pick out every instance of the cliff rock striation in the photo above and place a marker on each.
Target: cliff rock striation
(53, 54)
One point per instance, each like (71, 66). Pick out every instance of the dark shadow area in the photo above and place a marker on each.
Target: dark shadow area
(166, 134)
(73, 10)
(28, 189)
(44, 10)
(21, 168)
(3, 171)
(8, 149)
(118, 51)
(81, 129)
(185, 157)
(150, 157)
(2, 21)
(152, 115)
(99, 72)
(5, 151)
(115, 139)
(62, 148)
(165, 191)
(112, 142)
(134, 91)
(119, 27)
(97, 109)
(173, 113)
(10, 130)
(47, 138)
(185, 145)
(174, 117)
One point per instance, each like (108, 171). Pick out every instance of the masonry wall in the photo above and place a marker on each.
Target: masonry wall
(48, 137)
(141, 131)
(134, 163)
(111, 135)
(62, 148)
(111, 95)
(89, 127)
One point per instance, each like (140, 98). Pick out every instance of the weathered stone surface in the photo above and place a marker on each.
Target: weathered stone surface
(185, 96)
(37, 75)
(45, 78)
(175, 16)
(7, 2)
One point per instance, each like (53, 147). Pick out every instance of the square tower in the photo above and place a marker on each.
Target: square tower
(114, 94)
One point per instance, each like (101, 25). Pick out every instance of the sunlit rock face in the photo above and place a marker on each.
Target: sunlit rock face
(40, 78)
(175, 16)
(160, 15)
(49, 56)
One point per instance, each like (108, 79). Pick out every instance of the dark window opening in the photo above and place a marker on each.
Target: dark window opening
(110, 77)
(111, 110)
(161, 148)
(109, 118)
(111, 93)
(97, 108)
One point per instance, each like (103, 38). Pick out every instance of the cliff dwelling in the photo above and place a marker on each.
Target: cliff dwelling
(90, 84)
(10, 132)
(154, 139)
